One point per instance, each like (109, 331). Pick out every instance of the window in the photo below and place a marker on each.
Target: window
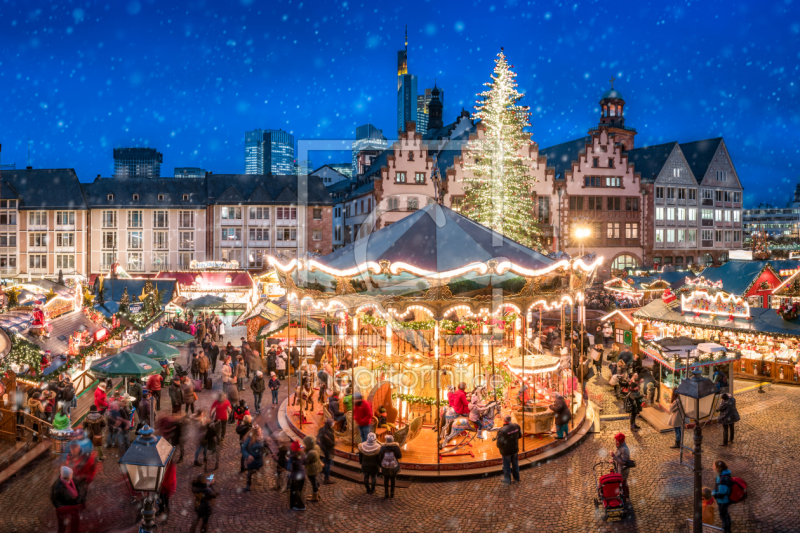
(66, 262)
(400, 177)
(613, 182)
(595, 162)
(231, 213)
(718, 196)
(316, 213)
(659, 213)
(737, 197)
(722, 175)
(632, 230)
(614, 203)
(160, 240)
(419, 177)
(286, 213)
(676, 173)
(185, 259)
(692, 194)
(259, 213)
(727, 215)
(394, 203)
(728, 235)
(708, 214)
(737, 216)
(337, 233)
(659, 236)
(576, 203)
(660, 193)
(135, 219)
(337, 212)
(681, 193)
(135, 240)
(670, 193)
(457, 202)
(65, 218)
(718, 215)
(361, 205)
(679, 260)
(316, 235)
(612, 230)
(160, 219)
(259, 234)
(691, 236)
(622, 262)
(186, 240)
(681, 235)
(692, 214)
(186, 219)
(727, 196)
(671, 213)
(135, 261)
(109, 240)
(8, 219)
(160, 260)
(287, 234)
(595, 203)
(708, 194)
(631, 204)
(65, 239)
(689, 259)
(593, 181)
(737, 236)
(707, 235)
(37, 218)
(37, 261)
(185, 197)
(670, 235)
(160, 197)
(231, 234)
(110, 197)
(413, 203)
(718, 236)
(135, 197)
(8, 240)
(108, 259)
(37, 239)
(610, 162)
(681, 214)
(109, 219)
(256, 258)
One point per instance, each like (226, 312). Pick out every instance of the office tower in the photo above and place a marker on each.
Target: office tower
(422, 109)
(406, 90)
(368, 137)
(190, 172)
(254, 152)
(303, 168)
(269, 152)
(137, 163)
(343, 168)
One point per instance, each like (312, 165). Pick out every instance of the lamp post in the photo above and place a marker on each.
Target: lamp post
(582, 233)
(697, 398)
(144, 465)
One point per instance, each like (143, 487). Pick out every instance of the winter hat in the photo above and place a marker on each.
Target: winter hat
(259, 373)
(371, 445)
(620, 438)
(102, 386)
(296, 446)
(357, 396)
(308, 442)
(66, 472)
(272, 374)
(389, 439)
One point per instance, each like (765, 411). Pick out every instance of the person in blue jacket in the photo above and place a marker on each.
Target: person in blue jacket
(722, 493)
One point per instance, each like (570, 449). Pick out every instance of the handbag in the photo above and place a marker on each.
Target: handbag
(630, 463)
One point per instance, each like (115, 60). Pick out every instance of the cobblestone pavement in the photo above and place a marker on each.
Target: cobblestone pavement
(554, 497)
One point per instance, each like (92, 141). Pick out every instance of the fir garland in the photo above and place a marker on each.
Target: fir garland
(417, 400)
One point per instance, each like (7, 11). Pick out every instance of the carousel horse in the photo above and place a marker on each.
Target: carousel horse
(486, 414)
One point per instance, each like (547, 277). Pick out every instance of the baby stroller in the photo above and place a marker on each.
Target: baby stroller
(179, 371)
(609, 491)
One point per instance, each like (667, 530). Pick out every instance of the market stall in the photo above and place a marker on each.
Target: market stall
(235, 287)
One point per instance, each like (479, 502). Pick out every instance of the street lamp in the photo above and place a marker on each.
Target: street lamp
(697, 399)
(144, 465)
(581, 233)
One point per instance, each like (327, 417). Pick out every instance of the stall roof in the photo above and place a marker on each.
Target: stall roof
(210, 280)
(115, 287)
(738, 276)
(765, 321)
(264, 309)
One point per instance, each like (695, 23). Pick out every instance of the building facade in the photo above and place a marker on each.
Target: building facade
(774, 221)
(368, 137)
(137, 163)
(422, 107)
(189, 172)
(269, 152)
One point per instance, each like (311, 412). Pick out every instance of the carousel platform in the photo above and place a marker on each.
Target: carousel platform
(421, 460)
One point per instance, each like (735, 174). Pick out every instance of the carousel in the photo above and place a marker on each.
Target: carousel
(425, 320)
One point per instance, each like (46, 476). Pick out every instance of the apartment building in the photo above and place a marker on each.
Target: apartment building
(147, 225)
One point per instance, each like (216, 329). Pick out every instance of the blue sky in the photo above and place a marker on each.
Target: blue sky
(189, 78)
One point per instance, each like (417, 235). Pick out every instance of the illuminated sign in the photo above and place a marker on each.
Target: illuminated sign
(203, 265)
(100, 335)
(700, 302)
(788, 272)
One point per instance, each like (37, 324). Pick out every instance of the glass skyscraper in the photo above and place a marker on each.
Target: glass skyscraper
(269, 151)
(422, 109)
(368, 137)
(137, 163)
(406, 101)
(190, 172)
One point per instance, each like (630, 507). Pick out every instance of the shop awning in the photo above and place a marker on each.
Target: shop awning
(314, 327)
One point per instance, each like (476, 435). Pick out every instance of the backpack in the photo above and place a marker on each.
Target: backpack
(389, 461)
(738, 490)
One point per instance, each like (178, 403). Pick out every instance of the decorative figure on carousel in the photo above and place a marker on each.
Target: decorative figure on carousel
(481, 418)
(39, 325)
(458, 406)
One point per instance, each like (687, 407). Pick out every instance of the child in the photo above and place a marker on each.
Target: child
(708, 507)
(240, 411)
(382, 423)
(651, 393)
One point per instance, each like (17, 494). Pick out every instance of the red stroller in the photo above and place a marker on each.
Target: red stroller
(609, 491)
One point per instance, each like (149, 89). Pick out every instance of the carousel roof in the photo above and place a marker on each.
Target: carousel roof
(435, 239)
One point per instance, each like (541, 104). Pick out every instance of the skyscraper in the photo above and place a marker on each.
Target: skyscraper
(422, 109)
(137, 163)
(406, 90)
(269, 152)
(368, 137)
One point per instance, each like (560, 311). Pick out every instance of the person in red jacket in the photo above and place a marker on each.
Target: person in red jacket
(168, 488)
(100, 399)
(460, 404)
(154, 386)
(362, 416)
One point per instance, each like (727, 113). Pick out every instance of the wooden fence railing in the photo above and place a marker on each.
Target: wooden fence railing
(8, 426)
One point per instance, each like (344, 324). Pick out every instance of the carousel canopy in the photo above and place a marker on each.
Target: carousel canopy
(125, 364)
(435, 239)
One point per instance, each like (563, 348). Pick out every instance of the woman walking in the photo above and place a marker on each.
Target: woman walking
(390, 456)
(313, 465)
(253, 453)
(722, 493)
(368, 456)
(297, 477)
(189, 396)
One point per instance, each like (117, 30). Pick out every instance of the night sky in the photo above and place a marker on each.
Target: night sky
(80, 78)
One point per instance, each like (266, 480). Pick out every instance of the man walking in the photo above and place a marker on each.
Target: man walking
(213, 355)
(258, 385)
(508, 444)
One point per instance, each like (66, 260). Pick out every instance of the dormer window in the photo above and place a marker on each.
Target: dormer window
(185, 197)
(160, 197)
(110, 197)
(135, 197)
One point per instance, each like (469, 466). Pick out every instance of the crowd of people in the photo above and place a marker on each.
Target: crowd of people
(609, 300)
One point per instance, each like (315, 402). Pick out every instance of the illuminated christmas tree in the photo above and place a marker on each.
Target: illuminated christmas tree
(498, 192)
